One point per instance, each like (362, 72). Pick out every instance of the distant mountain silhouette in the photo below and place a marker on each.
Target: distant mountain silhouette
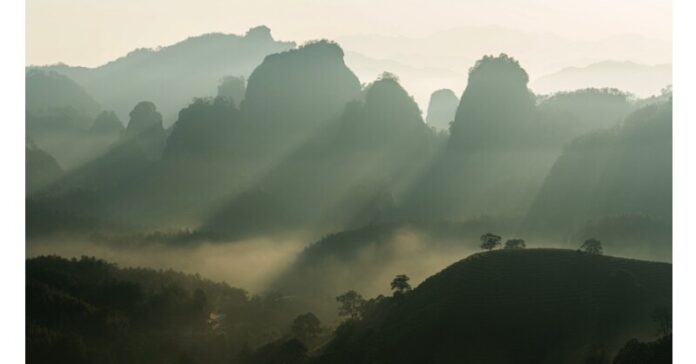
(63, 120)
(172, 76)
(419, 81)
(344, 175)
(98, 190)
(521, 306)
(625, 170)
(542, 53)
(47, 91)
(290, 97)
(442, 108)
(494, 153)
(639, 79)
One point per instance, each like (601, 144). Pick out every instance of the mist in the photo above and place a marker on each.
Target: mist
(385, 183)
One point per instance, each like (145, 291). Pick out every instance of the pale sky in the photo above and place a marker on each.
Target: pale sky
(92, 32)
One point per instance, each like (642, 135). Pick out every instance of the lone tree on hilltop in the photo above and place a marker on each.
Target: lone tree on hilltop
(400, 284)
(351, 304)
(490, 241)
(515, 244)
(592, 246)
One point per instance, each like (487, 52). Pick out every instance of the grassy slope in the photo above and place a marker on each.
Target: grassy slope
(527, 306)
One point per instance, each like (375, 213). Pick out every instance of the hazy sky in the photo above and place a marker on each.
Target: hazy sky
(91, 32)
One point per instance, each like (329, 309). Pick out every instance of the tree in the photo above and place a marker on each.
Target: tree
(400, 284)
(490, 241)
(515, 244)
(592, 246)
(351, 304)
(306, 326)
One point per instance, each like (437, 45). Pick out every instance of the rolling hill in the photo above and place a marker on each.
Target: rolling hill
(511, 306)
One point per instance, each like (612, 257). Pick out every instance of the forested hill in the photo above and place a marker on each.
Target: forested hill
(512, 306)
(90, 311)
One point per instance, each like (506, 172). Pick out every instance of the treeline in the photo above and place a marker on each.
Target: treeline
(90, 311)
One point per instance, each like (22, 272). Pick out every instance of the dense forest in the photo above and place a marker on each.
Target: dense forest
(213, 154)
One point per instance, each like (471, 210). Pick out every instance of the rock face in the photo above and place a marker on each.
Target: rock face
(496, 108)
(358, 162)
(145, 130)
(291, 96)
(495, 152)
(441, 109)
(300, 88)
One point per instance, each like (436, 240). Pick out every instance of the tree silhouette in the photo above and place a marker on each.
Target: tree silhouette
(515, 244)
(400, 284)
(351, 304)
(490, 241)
(306, 326)
(592, 246)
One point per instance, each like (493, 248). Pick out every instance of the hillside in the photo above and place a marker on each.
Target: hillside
(41, 168)
(172, 76)
(511, 306)
(89, 311)
(615, 182)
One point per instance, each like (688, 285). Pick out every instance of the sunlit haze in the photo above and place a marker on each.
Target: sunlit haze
(90, 33)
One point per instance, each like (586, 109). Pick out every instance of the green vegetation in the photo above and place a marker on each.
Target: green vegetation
(253, 160)
(511, 306)
(86, 310)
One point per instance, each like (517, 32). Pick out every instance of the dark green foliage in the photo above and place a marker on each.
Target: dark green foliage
(637, 352)
(400, 284)
(290, 351)
(515, 244)
(490, 241)
(592, 246)
(351, 304)
(522, 306)
(306, 327)
(89, 311)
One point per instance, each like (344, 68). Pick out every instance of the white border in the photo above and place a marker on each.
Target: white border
(684, 181)
(12, 60)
